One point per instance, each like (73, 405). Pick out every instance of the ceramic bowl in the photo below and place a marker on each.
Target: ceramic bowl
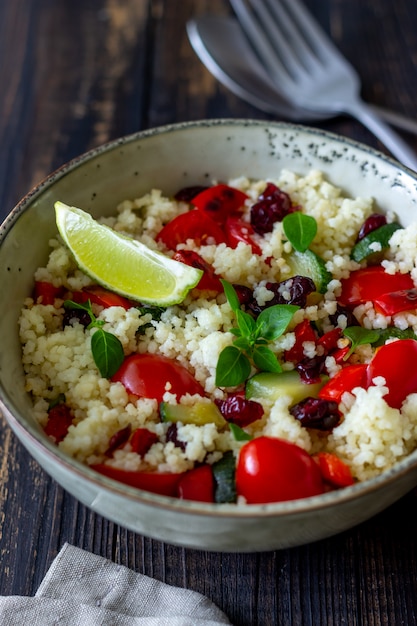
(169, 158)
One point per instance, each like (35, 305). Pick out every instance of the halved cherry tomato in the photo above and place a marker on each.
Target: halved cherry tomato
(346, 379)
(209, 280)
(369, 283)
(334, 470)
(101, 296)
(47, 292)
(273, 470)
(193, 225)
(395, 361)
(397, 301)
(197, 484)
(162, 483)
(237, 230)
(151, 375)
(59, 420)
(219, 202)
(303, 332)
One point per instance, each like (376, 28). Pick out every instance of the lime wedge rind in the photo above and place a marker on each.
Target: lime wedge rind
(121, 264)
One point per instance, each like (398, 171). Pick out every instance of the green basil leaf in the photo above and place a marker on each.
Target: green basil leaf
(233, 367)
(300, 230)
(243, 343)
(274, 320)
(231, 295)
(107, 352)
(245, 322)
(238, 433)
(265, 360)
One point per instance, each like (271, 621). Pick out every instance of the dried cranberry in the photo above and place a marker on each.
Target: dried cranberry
(374, 221)
(172, 435)
(238, 410)
(310, 369)
(186, 194)
(272, 206)
(341, 310)
(316, 413)
(59, 420)
(71, 316)
(245, 294)
(291, 291)
(118, 439)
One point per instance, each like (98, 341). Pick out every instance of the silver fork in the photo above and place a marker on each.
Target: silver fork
(308, 67)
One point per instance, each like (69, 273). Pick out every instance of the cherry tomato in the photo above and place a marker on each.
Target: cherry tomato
(346, 379)
(59, 420)
(209, 280)
(273, 470)
(197, 484)
(151, 375)
(163, 483)
(303, 332)
(395, 361)
(47, 292)
(219, 202)
(237, 230)
(101, 296)
(142, 440)
(193, 225)
(397, 301)
(369, 283)
(334, 470)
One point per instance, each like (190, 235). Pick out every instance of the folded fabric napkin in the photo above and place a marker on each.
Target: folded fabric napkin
(83, 589)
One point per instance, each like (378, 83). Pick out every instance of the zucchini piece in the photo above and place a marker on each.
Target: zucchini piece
(224, 472)
(364, 249)
(272, 386)
(309, 264)
(199, 414)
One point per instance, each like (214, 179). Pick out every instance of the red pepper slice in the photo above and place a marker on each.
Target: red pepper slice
(142, 440)
(101, 296)
(346, 379)
(397, 301)
(162, 483)
(238, 230)
(329, 340)
(369, 283)
(194, 225)
(209, 280)
(197, 484)
(334, 470)
(395, 361)
(303, 332)
(220, 201)
(46, 292)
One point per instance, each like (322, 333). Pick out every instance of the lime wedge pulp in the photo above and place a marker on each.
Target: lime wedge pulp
(122, 264)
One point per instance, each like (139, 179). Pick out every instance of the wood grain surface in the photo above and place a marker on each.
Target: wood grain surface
(77, 73)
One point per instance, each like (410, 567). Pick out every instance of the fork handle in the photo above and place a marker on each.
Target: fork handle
(395, 144)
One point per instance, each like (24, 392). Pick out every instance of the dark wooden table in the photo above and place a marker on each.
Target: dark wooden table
(77, 73)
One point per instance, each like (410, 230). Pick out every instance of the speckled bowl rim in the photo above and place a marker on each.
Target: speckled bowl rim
(278, 509)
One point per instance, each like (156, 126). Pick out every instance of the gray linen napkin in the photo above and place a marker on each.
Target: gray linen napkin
(83, 589)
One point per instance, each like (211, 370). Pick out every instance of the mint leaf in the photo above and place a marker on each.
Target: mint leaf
(274, 320)
(266, 360)
(238, 433)
(233, 367)
(299, 229)
(231, 295)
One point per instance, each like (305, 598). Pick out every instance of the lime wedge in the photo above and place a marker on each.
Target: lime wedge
(121, 264)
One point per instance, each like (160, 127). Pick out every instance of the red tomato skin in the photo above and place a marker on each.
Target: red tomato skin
(142, 440)
(193, 225)
(396, 302)
(275, 470)
(369, 283)
(197, 484)
(47, 292)
(164, 484)
(237, 230)
(346, 379)
(303, 332)
(334, 470)
(146, 376)
(209, 281)
(219, 202)
(101, 296)
(396, 361)
(329, 340)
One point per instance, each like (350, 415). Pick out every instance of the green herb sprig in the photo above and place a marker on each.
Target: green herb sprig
(359, 336)
(106, 348)
(252, 336)
(299, 229)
